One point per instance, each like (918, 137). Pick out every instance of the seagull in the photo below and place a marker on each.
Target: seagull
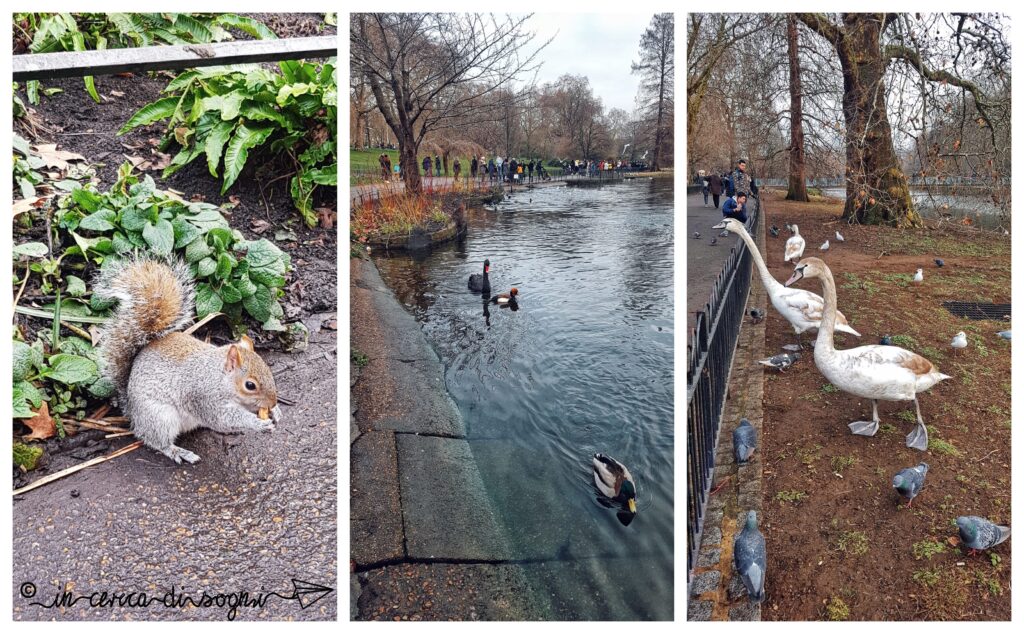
(959, 341)
(939, 263)
(824, 247)
(1005, 334)
(886, 341)
(839, 237)
(756, 315)
(696, 235)
(780, 361)
(919, 276)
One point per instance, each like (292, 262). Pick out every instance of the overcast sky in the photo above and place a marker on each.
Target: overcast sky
(599, 45)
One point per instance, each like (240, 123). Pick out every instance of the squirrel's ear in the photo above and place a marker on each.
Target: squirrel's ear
(234, 358)
(246, 343)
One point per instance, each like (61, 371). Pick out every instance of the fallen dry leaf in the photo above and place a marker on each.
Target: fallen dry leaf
(27, 204)
(42, 424)
(117, 93)
(56, 158)
(235, 199)
(259, 225)
(327, 217)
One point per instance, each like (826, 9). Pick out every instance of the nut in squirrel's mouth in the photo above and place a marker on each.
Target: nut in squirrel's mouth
(264, 413)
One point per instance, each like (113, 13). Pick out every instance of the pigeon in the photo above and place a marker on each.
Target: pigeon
(791, 347)
(839, 237)
(696, 235)
(1005, 334)
(774, 231)
(919, 276)
(886, 340)
(824, 247)
(724, 234)
(750, 558)
(908, 482)
(744, 441)
(977, 533)
(756, 315)
(714, 241)
(939, 263)
(959, 341)
(780, 361)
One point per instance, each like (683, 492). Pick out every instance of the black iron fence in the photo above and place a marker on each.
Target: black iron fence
(711, 347)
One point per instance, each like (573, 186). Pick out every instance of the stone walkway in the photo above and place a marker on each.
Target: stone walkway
(426, 543)
(716, 592)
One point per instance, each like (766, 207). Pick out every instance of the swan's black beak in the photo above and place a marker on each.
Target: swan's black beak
(797, 275)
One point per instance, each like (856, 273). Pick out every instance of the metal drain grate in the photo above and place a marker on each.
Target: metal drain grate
(978, 311)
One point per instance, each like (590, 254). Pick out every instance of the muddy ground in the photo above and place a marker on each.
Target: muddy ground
(841, 543)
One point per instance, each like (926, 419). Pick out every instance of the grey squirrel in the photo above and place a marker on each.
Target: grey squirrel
(169, 382)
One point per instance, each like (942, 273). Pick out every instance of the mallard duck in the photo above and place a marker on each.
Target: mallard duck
(506, 299)
(614, 482)
(795, 245)
(887, 373)
(801, 308)
(481, 283)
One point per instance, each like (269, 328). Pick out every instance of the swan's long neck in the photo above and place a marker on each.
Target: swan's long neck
(770, 283)
(826, 331)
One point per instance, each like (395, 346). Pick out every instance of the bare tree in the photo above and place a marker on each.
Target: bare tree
(877, 189)
(657, 71)
(797, 179)
(430, 71)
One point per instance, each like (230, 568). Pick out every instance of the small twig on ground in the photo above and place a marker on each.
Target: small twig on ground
(24, 283)
(720, 485)
(985, 456)
(202, 322)
(75, 329)
(66, 472)
(101, 412)
(120, 434)
(99, 426)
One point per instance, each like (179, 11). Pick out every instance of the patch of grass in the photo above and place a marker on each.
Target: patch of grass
(854, 283)
(853, 543)
(886, 428)
(988, 584)
(359, 358)
(808, 456)
(928, 548)
(828, 388)
(943, 447)
(837, 610)
(900, 279)
(904, 341)
(931, 353)
(842, 463)
(907, 416)
(927, 578)
(793, 497)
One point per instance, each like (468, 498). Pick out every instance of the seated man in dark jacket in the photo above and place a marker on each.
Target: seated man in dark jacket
(736, 209)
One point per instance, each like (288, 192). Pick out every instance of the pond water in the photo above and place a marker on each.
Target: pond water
(986, 213)
(583, 366)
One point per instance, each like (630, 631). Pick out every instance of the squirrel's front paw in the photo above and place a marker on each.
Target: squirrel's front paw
(178, 454)
(264, 425)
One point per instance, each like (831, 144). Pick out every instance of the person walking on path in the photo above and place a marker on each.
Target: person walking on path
(490, 168)
(741, 181)
(473, 166)
(736, 209)
(529, 170)
(499, 163)
(383, 160)
(715, 187)
(437, 165)
(456, 168)
(427, 169)
(705, 189)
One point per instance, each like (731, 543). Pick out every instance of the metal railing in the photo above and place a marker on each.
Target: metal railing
(711, 347)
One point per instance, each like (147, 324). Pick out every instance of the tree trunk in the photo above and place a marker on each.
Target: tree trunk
(877, 191)
(797, 181)
(407, 160)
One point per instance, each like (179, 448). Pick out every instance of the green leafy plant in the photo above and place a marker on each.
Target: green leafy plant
(928, 548)
(62, 375)
(52, 32)
(226, 112)
(234, 275)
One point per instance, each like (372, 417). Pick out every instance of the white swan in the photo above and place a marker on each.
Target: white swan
(795, 246)
(802, 309)
(887, 373)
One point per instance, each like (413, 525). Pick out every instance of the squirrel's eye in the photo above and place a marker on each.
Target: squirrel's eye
(249, 385)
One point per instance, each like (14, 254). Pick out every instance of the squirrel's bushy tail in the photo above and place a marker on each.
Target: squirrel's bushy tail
(157, 297)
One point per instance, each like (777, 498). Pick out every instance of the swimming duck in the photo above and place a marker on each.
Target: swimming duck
(506, 299)
(795, 245)
(481, 283)
(888, 373)
(613, 480)
(801, 308)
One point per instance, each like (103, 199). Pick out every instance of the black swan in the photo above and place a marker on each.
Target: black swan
(481, 283)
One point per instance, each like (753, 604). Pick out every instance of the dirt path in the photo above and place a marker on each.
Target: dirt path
(841, 543)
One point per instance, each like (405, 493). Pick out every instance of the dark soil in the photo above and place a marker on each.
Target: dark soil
(851, 541)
